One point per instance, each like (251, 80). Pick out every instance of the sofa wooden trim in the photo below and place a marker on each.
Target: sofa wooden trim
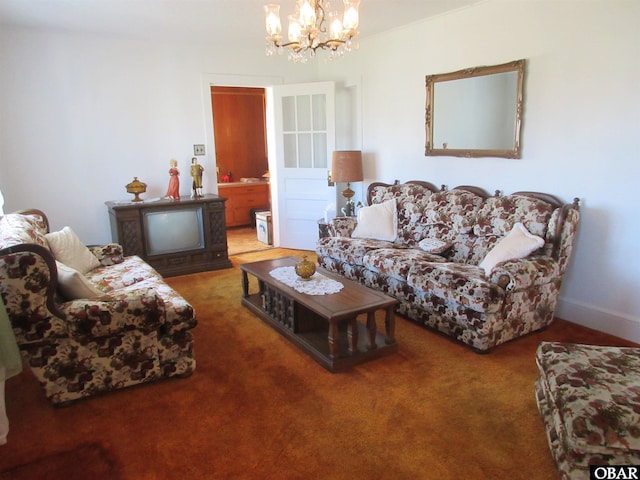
(481, 192)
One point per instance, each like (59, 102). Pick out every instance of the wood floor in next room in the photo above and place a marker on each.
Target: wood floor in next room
(244, 240)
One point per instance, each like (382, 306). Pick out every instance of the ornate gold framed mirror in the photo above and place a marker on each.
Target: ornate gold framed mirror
(475, 112)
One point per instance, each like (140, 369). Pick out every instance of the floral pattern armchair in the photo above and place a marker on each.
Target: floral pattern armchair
(450, 291)
(136, 330)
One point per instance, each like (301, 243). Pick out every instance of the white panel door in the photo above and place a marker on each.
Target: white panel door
(301, 143)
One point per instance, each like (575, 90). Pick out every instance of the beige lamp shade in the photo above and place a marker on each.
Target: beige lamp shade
(347, 166)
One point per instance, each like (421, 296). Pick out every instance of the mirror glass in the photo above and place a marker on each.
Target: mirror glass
(476, 112)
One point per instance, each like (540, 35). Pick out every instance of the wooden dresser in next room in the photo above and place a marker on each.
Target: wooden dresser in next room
(242, 199)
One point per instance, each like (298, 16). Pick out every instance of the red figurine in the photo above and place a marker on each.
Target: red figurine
(173, 192)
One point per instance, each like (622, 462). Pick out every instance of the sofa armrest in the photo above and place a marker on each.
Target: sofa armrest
(342, 226)
(115, 312)
(28, 280)
(108, 254)
(523, 273)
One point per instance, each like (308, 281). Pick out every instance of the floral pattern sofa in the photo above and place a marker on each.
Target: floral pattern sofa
(451, 291)
(132, 327)
(589, 400)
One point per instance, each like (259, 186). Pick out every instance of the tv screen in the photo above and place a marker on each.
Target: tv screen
(175, 230)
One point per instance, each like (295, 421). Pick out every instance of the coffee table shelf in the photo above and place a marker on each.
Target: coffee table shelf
(323, 326)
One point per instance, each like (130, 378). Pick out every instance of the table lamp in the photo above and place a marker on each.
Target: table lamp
(346, 166)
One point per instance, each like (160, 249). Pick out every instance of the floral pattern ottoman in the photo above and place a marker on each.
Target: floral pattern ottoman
(589, 400)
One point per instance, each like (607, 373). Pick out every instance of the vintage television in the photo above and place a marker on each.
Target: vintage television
(173, 230)
(174, 237)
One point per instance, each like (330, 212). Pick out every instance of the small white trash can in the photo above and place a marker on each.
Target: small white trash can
(264, 227)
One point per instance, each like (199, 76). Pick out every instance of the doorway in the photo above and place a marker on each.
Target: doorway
(208, 80)
(239, 128)
(298, 198)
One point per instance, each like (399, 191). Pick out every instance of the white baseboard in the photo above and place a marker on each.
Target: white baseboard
(607, 321)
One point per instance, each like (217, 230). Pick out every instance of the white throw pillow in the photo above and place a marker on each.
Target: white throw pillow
(433, 245)
(517, 244)
(72, 284)
(67, 248)
(378, 222)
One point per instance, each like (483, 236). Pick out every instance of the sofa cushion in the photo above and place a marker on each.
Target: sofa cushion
(498, 215)
(518, 244)
(407, 192)
(378, 222)
(449, 216)
(121, 275)
(72, 284)
(454, 209)
(350, 250)
(411, 199)
(138, 307)
(464, 284)
(16, 228)
(67, 248)
(461, 243)
(410, 226)
(396, 262)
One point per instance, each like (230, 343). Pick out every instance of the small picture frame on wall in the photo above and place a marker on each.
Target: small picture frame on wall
(198, 149)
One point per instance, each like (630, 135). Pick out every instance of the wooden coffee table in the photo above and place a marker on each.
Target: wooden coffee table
(324, 326)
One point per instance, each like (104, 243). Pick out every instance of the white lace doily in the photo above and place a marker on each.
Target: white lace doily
(318, 284)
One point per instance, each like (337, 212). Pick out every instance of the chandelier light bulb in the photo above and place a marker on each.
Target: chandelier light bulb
(335, 26)
(351, 19)
(272, 13)
(307, 13)
(295, 31)
(313, 26)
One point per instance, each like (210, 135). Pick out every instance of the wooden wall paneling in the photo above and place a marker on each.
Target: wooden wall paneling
(239, 131)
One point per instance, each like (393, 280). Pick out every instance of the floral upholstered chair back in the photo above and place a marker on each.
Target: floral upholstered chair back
(17, 228)
(542, 215)
(412, 198)
(450, 216)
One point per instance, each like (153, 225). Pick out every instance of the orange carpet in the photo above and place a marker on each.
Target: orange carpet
(81, 463)
(259, 408)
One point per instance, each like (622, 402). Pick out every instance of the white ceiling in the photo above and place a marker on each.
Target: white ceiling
(238, 22)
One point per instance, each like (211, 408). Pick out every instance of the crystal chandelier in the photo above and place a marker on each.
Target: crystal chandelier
(314, 26)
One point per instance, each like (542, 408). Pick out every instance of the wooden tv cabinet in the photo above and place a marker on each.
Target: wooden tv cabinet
(127, 229)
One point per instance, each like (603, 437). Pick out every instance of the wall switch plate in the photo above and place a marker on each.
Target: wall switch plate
(198, 149)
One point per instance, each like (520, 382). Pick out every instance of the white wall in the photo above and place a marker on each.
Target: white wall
(580, 133)
(81, 115)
